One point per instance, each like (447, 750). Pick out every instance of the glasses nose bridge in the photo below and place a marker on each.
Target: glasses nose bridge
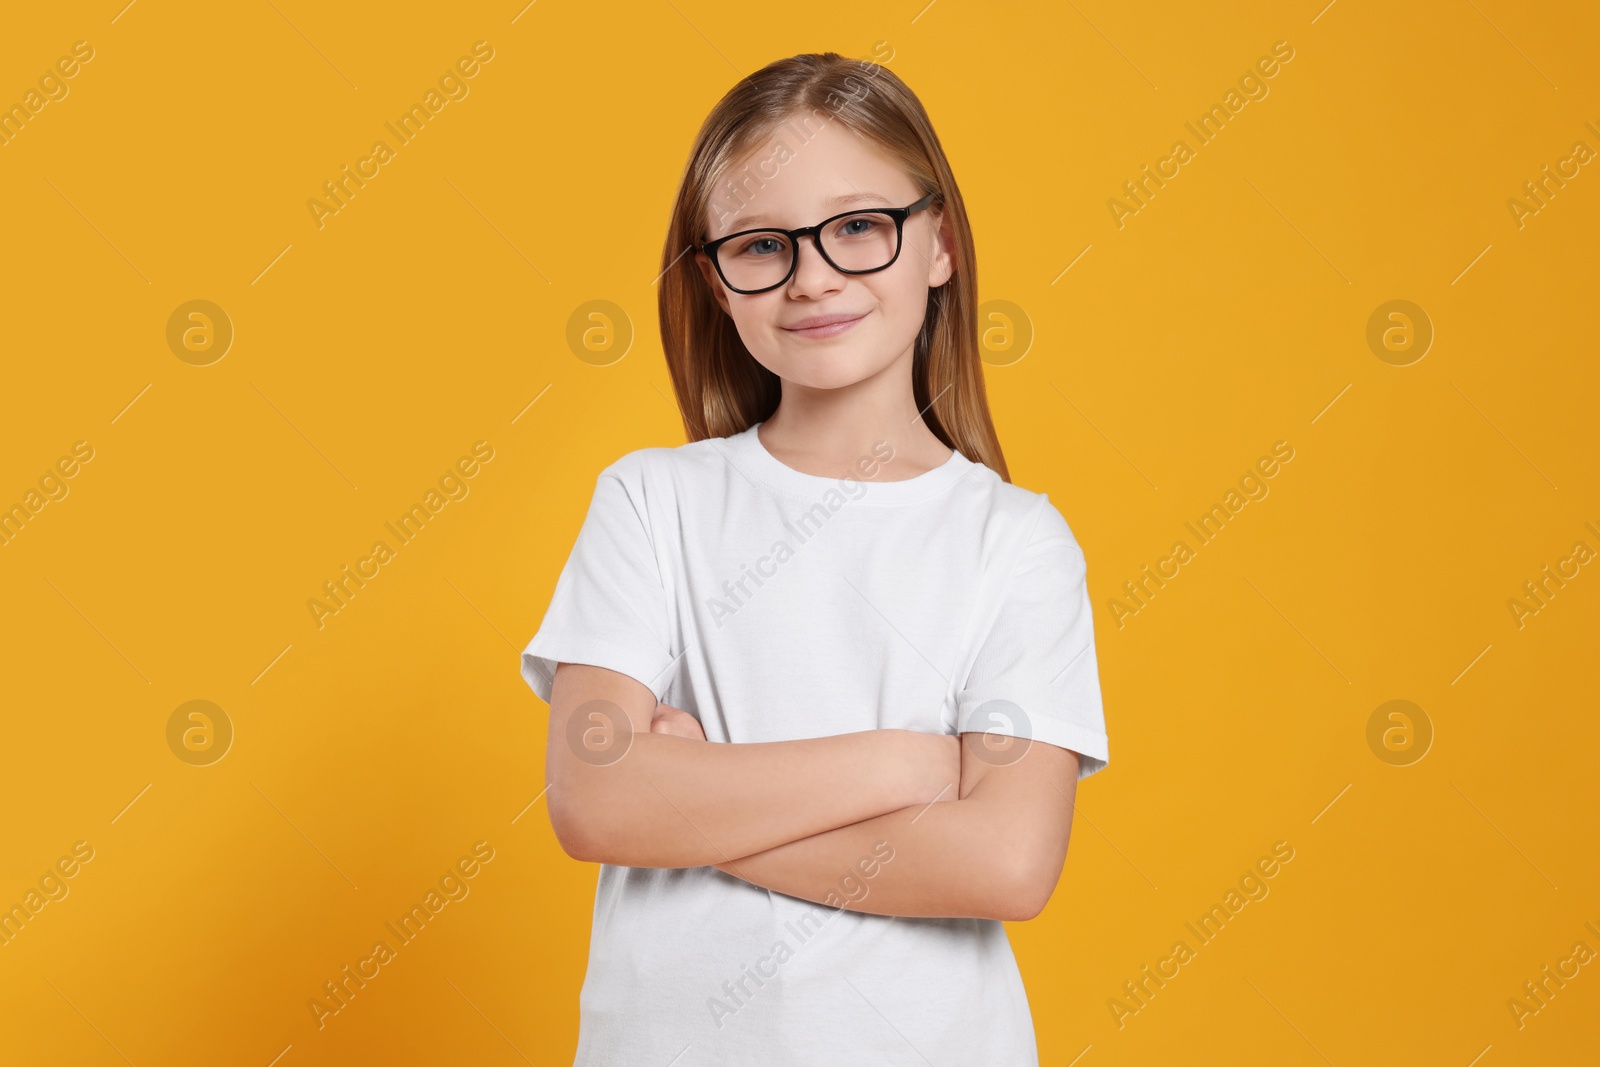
(796, 236)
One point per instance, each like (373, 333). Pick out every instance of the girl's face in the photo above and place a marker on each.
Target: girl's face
(812, 181)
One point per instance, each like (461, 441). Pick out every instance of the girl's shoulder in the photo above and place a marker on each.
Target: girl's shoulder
(1026, 507)
(1035, 524)
(657, 461)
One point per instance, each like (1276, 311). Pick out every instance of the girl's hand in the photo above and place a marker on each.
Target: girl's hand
(678, 723)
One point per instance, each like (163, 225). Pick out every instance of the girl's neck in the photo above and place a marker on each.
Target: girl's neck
(821, 442)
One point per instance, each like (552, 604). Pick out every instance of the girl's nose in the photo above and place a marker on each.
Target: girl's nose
(813, 275)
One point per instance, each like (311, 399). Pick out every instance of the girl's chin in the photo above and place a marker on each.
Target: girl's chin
(835, 375)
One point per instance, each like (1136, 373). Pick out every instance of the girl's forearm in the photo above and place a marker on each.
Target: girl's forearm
(957, 859)
(674, 802)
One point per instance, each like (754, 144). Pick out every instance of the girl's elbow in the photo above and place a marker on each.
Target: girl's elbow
(577, 847)
(1024, 894)
(586, 836)
(1016, 906)
(574, 830)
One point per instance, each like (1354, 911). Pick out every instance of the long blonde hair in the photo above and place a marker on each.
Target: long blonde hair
(721, 388)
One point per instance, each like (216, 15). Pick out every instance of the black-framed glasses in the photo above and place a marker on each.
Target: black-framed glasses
(852, 242)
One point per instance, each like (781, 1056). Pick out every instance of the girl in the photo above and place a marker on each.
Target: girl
(822, 681)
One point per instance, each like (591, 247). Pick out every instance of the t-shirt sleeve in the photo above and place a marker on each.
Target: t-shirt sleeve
(609, 608)
(1035, 673)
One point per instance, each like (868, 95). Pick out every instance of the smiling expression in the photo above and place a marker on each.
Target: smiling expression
(823, 328)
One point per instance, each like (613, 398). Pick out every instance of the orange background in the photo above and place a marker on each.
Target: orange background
(434, 311)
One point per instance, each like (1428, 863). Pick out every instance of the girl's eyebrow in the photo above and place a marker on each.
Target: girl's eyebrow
(746, 221)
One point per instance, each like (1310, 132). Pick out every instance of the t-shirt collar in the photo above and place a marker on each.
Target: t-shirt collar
(746, 449)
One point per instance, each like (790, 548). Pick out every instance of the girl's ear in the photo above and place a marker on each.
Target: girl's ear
(942, 264)
(709, 272)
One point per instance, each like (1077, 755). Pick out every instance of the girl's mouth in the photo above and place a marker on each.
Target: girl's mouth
(825, 326)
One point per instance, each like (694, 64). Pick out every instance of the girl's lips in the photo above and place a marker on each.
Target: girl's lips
(833, 329)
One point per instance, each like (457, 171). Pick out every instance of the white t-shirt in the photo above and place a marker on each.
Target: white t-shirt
(773, 605)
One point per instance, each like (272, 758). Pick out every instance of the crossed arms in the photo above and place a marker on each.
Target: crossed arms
(978, 824)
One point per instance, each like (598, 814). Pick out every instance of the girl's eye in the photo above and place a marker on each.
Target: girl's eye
(858, 225)
(761, 246)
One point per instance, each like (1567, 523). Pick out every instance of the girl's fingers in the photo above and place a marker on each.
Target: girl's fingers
(675, 721)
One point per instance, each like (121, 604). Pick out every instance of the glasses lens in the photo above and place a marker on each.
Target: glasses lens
(865, 241)
(756, 260)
